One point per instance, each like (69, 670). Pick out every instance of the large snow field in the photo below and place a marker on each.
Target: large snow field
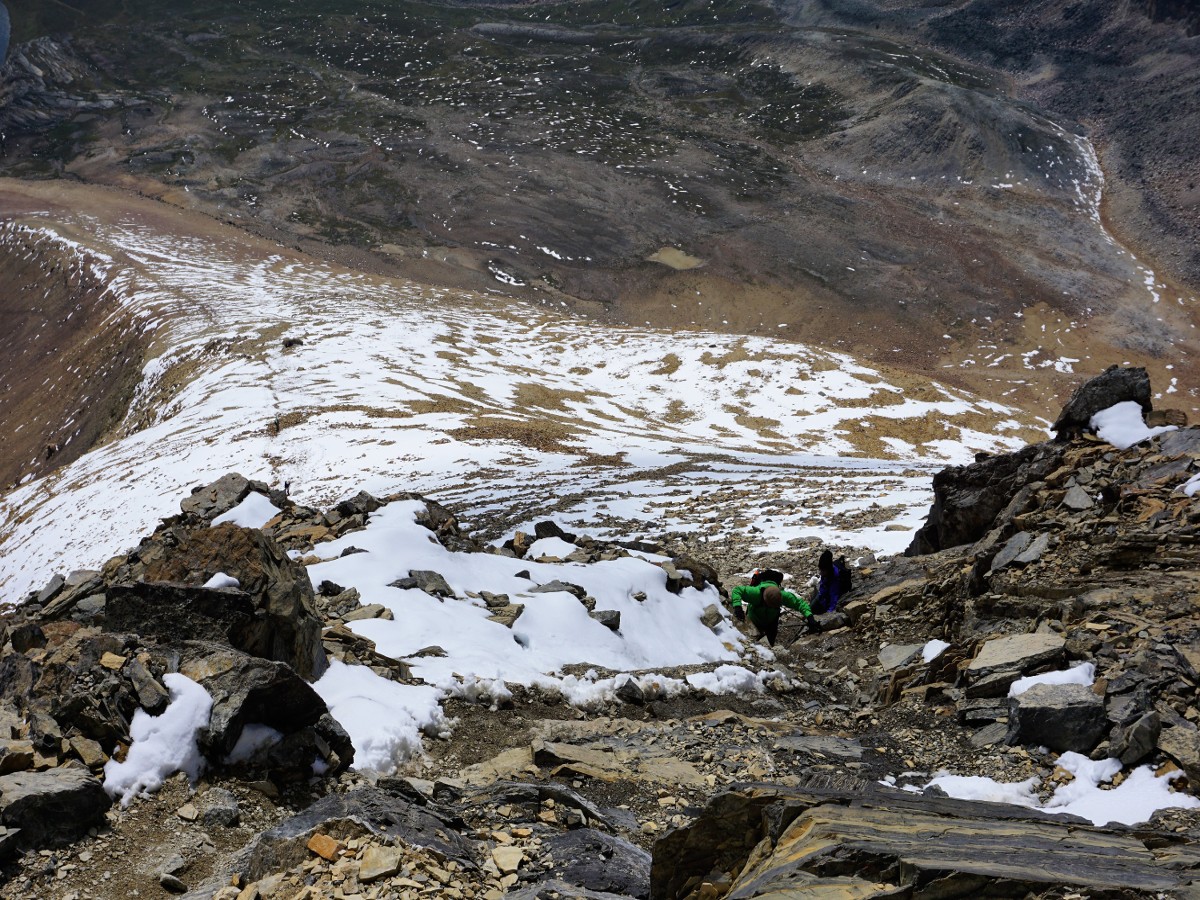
(485, 403)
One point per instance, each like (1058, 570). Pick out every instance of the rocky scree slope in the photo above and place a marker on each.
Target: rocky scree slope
(1091, 556)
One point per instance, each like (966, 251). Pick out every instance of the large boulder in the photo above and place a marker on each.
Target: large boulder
(967, 499)
(211, 500)
(1059, 716)
(248, 690)
(283, 623)
(1112, 386)
(52, 808)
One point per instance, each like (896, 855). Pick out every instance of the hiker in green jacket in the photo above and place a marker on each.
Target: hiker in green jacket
(763, 602)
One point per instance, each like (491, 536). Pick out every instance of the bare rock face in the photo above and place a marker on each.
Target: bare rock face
(776, 841)
(54, 807)
(282, 622)
(1059, 716)
(967, 499)
(1112, 386)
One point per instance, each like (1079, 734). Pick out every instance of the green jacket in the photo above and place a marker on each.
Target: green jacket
(751, 598)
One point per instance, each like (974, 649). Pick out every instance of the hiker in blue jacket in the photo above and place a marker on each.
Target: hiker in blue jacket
(829, 589)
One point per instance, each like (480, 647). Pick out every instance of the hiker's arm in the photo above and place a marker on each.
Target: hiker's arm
(739, 599)
(797, 603)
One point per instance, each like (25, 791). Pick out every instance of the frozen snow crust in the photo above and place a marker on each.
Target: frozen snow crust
(386, 720)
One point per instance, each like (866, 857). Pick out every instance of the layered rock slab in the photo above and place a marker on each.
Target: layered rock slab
(771, 841)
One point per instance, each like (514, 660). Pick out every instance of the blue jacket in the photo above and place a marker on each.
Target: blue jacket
(829, 592)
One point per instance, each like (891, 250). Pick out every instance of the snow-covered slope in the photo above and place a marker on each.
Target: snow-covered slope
(480, 402)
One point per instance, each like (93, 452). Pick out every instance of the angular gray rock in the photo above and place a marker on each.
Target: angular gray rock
(427, 581)
(893, 656)
(1034, 551)
(1077, 499)
(1020, 653)
(609, 618)
(361, 503)
(989, 735)
(1059, 716)
(54, 807)
(772, 841)
(595, 861)
(1182, 745)
(361, 811)
(220, 808)
(1013, 547)
(551, 587)
(631, 692)
(284, 624)
(824, 744)
(1136, 742)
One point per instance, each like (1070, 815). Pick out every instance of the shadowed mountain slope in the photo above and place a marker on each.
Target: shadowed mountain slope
(806, 177)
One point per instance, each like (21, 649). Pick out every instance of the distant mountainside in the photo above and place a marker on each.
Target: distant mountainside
(1130, 71)
(1013, 202)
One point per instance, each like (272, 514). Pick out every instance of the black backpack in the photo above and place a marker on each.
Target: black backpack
(845, 582)
(762, 575)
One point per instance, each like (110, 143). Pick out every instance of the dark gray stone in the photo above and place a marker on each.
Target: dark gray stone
(1014, 547)
(1021, 653)
(1138, 741)
(551, 587)
(631, 692)
(1034, 551)
(424, 580)
(220, 808)
(54, 807)
(824, 745)
(549, 529)
(1182, 744)
(361, 503)
(1185, 440)
(609, 618)
(78, 585)
(989, 735)
(50, 591)
(968, 499)
(893, 656)
(285, 624)
(152, 696)
(1077, 499)
(1112, 386)
(831, 621)
(211, 500)
(366, 810)
(982, 710)
(9, 841)
(27, 636)
(1059, 716)
(589, 859)
(809, 841)
(249, 690)
(172, 883)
